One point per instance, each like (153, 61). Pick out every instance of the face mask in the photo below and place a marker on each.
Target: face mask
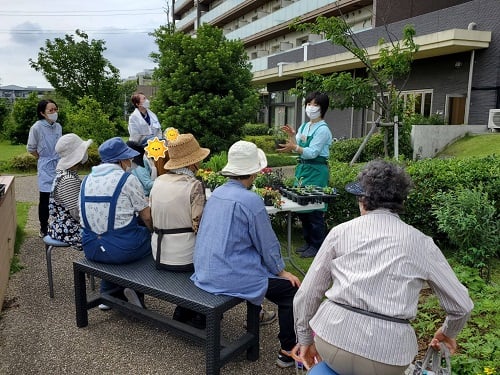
(85, 158)
(52, 116)
(145, 104)
(313, 112)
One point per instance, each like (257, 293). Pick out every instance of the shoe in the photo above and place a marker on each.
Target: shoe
(309, 253)
(41, 234)
(302, 248)
(104, 307)
(266, 317)
(132, 297)
(285, 359)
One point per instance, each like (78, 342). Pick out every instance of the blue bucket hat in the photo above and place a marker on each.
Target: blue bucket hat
(355, 188)
(114, 150)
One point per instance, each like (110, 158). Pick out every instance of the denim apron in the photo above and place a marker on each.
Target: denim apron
(115, 246)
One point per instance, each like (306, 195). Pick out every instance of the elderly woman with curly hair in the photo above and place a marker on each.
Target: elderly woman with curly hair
(371, 270)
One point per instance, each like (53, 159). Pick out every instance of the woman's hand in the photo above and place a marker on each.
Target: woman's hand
(288, 130)
(307, 354)
(288, 146)
(440, 337)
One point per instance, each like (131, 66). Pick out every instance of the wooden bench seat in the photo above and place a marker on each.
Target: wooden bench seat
(176, 288)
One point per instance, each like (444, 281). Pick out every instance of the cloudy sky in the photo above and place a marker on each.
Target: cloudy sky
(123, 25)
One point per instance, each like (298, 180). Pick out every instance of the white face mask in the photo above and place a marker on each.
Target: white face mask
(145, 104)
(313, 112)
(52, 116)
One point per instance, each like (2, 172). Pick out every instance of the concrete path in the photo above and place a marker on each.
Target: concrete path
(38, 335)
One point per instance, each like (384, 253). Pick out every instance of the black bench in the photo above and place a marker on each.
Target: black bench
(176, 288)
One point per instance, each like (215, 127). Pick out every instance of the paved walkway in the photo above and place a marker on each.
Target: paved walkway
(38, 335)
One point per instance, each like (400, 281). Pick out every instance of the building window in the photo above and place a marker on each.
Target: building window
(418, 101)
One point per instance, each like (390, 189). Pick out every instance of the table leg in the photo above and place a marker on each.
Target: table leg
(82, 319)
(289, 244)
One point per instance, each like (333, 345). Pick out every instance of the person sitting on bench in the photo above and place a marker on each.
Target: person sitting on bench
(110, 200)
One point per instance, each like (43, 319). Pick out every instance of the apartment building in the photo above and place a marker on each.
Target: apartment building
(456, 72)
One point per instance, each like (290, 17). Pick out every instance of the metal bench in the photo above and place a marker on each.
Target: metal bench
(176, 288)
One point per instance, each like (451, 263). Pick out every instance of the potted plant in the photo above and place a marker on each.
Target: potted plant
(211, 179)
(269, 178)
(279, 136)
(270, 196)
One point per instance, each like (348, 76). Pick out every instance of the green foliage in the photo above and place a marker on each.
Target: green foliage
(88, 120)
(431, 176)
(5, 108)
(204, 85)
(76, 67)
(344, 150)
(280, 160)
(216, 162)
(255, 129)
(24, 162)
(22, 211)
(264, 142)
(470, 221)
(23, 117)
(478, 341)
(269, 177)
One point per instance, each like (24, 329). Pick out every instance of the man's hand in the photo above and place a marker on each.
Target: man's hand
(290, 277)
(440, 337)
(307, 354)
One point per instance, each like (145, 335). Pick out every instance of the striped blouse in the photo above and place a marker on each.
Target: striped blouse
(376, 262)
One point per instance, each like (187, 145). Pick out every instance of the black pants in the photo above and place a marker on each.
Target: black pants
(313, 227)
(281, 292)
(43, 211)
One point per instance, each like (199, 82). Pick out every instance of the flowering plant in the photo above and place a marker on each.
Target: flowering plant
(271, 197)
(210, 178)
(269, 178)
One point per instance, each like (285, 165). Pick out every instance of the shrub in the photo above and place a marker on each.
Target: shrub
(216, 162)
(255, 129)
(265, 142)
(24, 162)
(344, 150)
(468, 218)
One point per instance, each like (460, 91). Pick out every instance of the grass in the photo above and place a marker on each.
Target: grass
(22, 210)
(473, 145)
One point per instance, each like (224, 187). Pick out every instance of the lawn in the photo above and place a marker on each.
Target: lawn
(473, 145)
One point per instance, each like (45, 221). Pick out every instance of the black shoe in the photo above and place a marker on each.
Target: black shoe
(309, 253)
(285, 359)
(302, 248)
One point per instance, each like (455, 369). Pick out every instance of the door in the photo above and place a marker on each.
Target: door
(456, 110)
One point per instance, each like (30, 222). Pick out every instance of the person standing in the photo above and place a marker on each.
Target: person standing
(42, 139)
(64, 221)
(143, 124)
(371, 270)
(237, 252)
(312, 143)
(111, 200)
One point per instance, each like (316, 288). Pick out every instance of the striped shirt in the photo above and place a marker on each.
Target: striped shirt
(378, 263)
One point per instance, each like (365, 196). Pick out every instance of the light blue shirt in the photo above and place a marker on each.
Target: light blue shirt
(144, 176)
(42, 139)
(236, 248)
(320, 143)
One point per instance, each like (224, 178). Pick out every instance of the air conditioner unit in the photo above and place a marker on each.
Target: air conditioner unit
(494, 119)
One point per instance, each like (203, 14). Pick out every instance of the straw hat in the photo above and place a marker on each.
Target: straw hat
(114, 150)
(244, 158)
(184, 151)
(71, 149)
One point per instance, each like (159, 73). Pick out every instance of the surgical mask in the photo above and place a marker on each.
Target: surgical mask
(146, 104)
(313, 112)
(85, 158)
(52, 116)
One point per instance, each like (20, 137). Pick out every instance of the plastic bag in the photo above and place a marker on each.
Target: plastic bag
(435, 362)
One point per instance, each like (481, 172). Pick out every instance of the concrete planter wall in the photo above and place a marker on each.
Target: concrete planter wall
(7, 232)
(428, 140)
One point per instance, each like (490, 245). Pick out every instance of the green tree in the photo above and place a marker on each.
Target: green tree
(383, 78)
(23, 116)
(204, 85)
(75, 67)
(4, 113)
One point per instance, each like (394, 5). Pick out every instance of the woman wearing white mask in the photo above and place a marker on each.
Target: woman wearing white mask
(42, 140)
(143, 124)
(312, 143)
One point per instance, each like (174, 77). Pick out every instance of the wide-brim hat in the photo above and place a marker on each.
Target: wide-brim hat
(184, 151)
(114, 150)
(244, 158)
(139, 159)
(355, 188)
(71, 149)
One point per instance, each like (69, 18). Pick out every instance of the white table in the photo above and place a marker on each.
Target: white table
(288, 206)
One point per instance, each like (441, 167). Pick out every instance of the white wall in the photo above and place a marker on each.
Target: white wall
(428, 140)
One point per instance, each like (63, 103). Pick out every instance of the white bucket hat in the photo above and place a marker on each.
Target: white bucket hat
(71, 149)
(244, 158)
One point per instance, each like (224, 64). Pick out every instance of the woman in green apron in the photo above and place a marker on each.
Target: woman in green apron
(312, 142)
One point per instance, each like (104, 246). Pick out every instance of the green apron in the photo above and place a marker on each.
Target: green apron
(311, 171)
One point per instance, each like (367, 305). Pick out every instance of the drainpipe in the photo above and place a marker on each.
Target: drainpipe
(472, 26)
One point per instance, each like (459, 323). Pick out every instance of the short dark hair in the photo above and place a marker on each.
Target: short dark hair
(320, 99)
(136, 98)
(42, 106)
(385, 185)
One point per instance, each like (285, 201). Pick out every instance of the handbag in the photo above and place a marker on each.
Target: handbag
(435, 362)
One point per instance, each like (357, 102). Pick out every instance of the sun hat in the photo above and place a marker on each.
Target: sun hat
(355, 188)
(244, 158)
(184, 151)
(139, 160)
(71, 149)
(114, 150)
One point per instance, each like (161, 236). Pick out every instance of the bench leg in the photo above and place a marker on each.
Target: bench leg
(253, 327)
(212, 349)
(48, 256)
(82, 317)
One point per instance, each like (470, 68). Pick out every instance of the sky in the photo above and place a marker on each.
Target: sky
(124, 25)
